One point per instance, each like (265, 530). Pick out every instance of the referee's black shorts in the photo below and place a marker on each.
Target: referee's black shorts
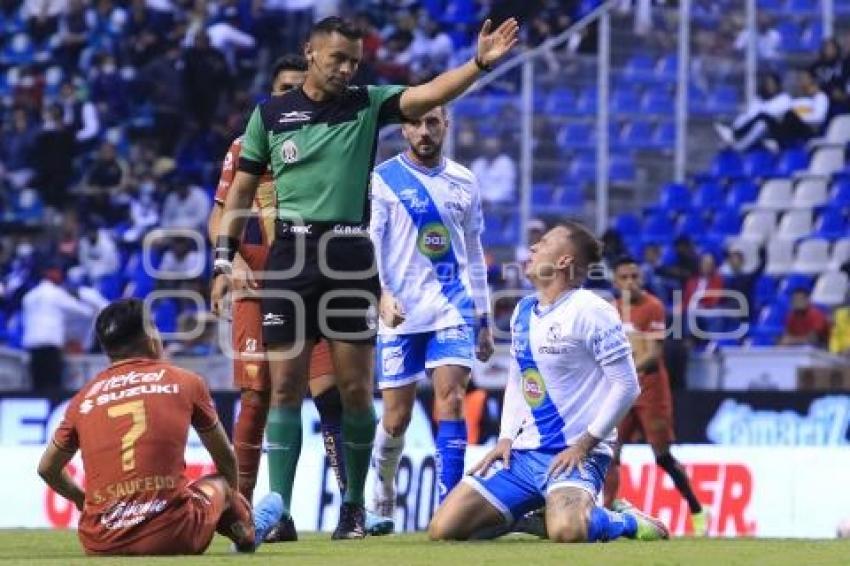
(321, 281)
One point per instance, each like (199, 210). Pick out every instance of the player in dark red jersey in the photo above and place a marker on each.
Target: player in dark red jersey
(131, 423)
(250, 367)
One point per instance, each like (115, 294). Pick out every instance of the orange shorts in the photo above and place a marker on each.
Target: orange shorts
(250, 368)
(187, 527)
(651, 418)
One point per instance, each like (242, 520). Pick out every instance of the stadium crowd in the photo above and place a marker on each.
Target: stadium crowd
(116, 116)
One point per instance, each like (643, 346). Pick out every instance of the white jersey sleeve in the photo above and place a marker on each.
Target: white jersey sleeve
(473, 228)
(378, 225)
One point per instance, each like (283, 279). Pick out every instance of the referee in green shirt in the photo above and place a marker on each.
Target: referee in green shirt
(320, 278)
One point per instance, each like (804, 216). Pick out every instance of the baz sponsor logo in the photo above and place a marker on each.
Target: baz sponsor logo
(289, 152)
(533, 388)
(433, 240)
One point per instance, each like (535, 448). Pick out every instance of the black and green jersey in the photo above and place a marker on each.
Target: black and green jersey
(321, 153)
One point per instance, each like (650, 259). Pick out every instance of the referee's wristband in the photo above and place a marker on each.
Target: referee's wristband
(481, 66)
(225, 251)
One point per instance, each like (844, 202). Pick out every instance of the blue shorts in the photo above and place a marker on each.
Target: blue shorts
(406, 358)
(524, 487)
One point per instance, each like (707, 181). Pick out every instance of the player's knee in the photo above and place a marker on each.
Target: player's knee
(438, 530)
(396, 420)
(258, 399)
(663, 457)
(356, 395)
(285, 393)
(572, 527)
(450, 404)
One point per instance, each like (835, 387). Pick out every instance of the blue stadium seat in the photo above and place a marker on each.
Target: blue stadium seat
(804, 7)
(578, 135)
(812, 37)
(571, 198)
(727, 222)
(724, 100)
(795, 281)
(111, 286)
(764, 291)
(791, 161)
(560, 102)
(636, 135)
(759, 163)
(742, 192)
(675, 197)
(664, 136)
(165, 314)
(770, 5)
(582, 169)
(587, 102)
(639, 67)
(666, 68)
(541, 194)
(625, 101)
(658, 100)
(692, 224)
(656, 229)
(627, 224)
(622, 169)
(831, 224)
(727, 163)
(791, 34)
(708, 196)
(840, 197)
(765, 335)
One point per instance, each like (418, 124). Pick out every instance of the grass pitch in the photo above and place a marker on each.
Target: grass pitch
(61, 547)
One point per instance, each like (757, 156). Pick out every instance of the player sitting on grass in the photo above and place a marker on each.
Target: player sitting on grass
(572, 379)
(131, 423)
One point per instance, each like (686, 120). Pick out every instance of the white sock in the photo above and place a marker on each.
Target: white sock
(385, 456)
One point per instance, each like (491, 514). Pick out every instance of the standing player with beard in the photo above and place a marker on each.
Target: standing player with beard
(652, 413)
(426, 228)
(250, 367)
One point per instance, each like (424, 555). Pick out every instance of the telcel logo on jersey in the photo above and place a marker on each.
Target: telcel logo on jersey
(533, 388)
(433, 240)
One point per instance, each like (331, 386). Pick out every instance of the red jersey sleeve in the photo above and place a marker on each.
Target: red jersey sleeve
(204, 416)
(228, 170)
(66, 437)
(656, 320)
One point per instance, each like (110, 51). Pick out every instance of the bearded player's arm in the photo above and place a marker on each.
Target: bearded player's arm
(652, 338)
(493, 44)
(60, 450)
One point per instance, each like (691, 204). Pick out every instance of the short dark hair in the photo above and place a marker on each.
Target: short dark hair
(335, 24)
(120, 328)
(290, 62)
(624, 260)
(588, 248)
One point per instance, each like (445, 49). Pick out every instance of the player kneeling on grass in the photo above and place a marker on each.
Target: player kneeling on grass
(131, 423)
(572, 379)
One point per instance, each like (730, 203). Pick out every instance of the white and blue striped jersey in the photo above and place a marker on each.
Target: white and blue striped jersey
(556, 385)
(426, 225)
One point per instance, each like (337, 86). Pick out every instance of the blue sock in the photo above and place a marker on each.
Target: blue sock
(451, 449)
(605, 525)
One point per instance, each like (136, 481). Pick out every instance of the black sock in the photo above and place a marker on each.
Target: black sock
(329, 405)
(675, 470)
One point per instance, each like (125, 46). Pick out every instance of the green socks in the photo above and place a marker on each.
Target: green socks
(358, 433)
(283, 433)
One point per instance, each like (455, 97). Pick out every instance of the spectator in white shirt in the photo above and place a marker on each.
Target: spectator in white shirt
(45, 311)
(186, 206)
(98, 254)
(181, 268)
(768, 42)
(80, 115)
(751, 127)
(496, 174)
(144, 212)
(228, 38)
(80, 329)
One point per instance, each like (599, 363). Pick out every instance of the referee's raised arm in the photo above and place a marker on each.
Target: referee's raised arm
(492, 46)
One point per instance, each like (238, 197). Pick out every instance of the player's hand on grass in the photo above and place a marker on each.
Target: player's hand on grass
(392, 313)
(502, 451)
(220, 287)
(493, 44)
(485, 346)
